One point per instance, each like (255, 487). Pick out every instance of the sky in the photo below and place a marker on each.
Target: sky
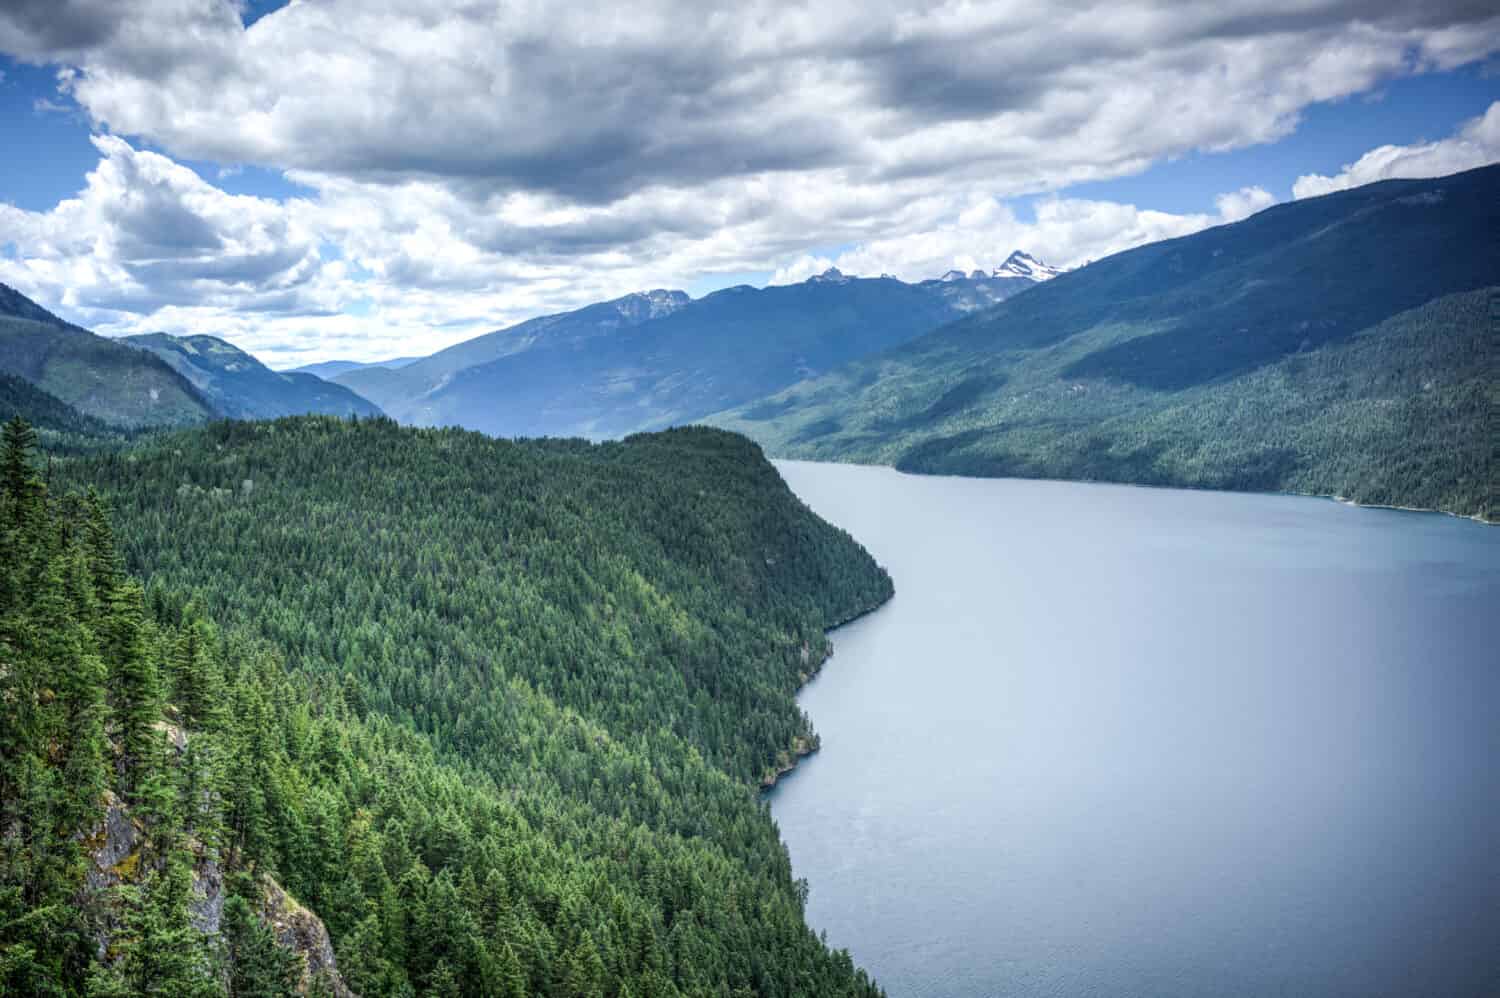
(357, 179)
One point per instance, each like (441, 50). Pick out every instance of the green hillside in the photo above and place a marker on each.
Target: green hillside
(46, 413)
(495, 711)
(241, 387)
(1342, 345)
(97, 376)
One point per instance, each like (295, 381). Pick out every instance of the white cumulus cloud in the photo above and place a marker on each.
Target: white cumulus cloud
(1477, 143)
(468, 165)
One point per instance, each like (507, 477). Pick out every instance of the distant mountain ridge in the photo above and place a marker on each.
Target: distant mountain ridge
(1297, 350)
(656, 358)
(241, 387)
(328, 369)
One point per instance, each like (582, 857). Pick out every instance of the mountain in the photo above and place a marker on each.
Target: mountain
(328, 369)
(1340, 345)
(660, 358)
(241, 387)
(977, 290)
(47, 413)
(1025, 267)
(493, 713)
(97, 376)
(403, 392)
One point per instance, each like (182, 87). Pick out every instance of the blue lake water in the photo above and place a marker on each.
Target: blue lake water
(1120, 741)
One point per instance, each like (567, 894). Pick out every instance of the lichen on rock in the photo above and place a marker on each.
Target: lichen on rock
(301, 931)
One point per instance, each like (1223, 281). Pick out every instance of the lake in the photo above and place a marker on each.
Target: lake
(1123, 741)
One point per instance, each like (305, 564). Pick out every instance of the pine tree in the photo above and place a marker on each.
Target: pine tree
(258, 967)
(133, 680)
(512, 979)
(197, 687)
(73, 722)
(16, 474)
(105, 563)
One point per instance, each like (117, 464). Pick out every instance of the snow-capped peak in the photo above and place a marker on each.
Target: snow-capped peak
(954, 275)
(1020, 264)
(830, 276)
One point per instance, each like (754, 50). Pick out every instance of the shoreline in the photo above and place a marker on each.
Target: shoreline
(1342, 500)
(1346, 501)
(801, 747)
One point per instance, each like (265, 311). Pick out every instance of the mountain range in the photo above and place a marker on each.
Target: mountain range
(1341, 345)
(659, 358)
(148, 380)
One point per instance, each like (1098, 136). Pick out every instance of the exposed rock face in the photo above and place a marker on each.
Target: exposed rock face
(115, 849)
(300, 930)
(175, 736)
(207, 906)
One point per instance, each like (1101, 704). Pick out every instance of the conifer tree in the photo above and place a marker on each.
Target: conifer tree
(257, 966)
(17, 476)
(105, 563)
(133, 679)
(197, 688)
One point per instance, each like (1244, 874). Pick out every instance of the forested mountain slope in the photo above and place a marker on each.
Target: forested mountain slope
(95, 375)
(1338, 345)
(46, 413)
(497, 710)
(134, 750)
(241, 387)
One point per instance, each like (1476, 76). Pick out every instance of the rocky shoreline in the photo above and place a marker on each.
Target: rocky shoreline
(803, 747)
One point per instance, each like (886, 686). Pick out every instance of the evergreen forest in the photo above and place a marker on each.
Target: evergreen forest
(337, 707)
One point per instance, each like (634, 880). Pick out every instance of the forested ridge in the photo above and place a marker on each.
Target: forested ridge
(1338, 345)
(494, 710)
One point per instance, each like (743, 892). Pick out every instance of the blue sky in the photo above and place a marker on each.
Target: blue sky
(339, 179)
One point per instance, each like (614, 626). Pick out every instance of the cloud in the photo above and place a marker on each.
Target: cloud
(800, 269)
(596, 103)
(1243, 203)
(47, 30)
(463, 165)
(146, 233)
(1066, 232)
(1476, 144)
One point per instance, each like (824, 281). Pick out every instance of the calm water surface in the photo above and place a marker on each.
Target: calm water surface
(1118, 741)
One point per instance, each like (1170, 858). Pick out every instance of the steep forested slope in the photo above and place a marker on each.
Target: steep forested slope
(46, 413)
(97, 376)
(241, 387)
(1340, 345)
(496, 710)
